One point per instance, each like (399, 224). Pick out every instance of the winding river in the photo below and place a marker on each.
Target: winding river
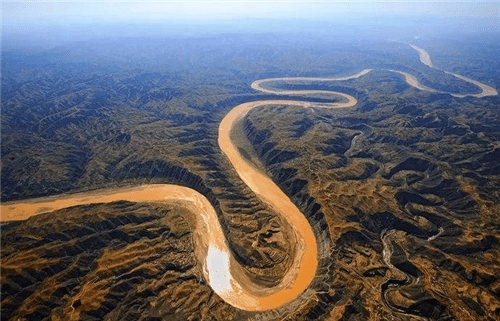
(219, 267)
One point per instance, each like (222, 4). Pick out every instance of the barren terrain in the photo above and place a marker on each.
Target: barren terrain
(385, 208)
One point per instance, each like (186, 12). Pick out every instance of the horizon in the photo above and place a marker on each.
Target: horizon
(51, 23)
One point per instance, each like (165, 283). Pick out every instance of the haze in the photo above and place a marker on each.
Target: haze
(54, 22)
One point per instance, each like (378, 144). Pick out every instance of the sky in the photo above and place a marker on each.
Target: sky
(50, 22)
(192, 11)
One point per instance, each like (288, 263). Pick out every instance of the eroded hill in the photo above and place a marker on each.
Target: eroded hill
(401, 191)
